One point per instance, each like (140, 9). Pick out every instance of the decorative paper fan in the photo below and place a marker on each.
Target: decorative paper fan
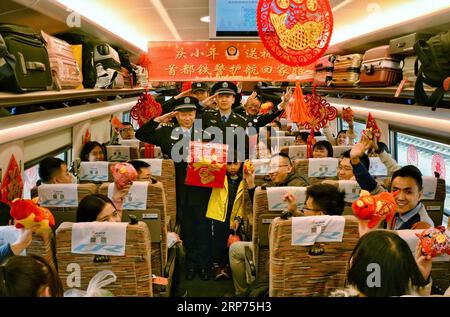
(12, 185)
(146, 108)
(296, 32)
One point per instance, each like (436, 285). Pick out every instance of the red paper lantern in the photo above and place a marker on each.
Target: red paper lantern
(296, 32)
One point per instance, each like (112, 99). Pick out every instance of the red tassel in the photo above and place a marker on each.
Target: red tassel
(310, 143)
(149, 150)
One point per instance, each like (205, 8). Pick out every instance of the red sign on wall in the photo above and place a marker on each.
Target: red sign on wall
(214, 61)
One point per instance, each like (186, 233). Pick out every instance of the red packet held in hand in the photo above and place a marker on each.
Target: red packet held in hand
(207, 167)
(374, 207)
(347, 114)
(434, 241)
(124, 174)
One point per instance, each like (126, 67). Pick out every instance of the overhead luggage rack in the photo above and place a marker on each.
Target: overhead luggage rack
(39, 97)
(407, 93)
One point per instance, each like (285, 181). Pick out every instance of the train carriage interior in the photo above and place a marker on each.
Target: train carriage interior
(92, 92)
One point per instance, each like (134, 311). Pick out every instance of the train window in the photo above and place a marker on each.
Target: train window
(126, 116)
(32, 171)
(358, 126)
(425, 150)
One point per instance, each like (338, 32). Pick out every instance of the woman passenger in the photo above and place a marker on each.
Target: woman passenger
(388, 260)
(322, 149)
(29, 276)
(97, 207)
(92, 151)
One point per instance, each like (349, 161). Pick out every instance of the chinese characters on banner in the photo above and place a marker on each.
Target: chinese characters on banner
(213, 61)
(208, 164)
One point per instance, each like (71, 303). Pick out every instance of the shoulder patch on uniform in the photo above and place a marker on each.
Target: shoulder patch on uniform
(168, 124)
(240, 116)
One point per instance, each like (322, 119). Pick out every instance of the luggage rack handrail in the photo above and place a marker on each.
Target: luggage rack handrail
(38, 97)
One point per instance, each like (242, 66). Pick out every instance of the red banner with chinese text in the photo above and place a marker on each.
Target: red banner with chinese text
(207, 165)
(219, 60)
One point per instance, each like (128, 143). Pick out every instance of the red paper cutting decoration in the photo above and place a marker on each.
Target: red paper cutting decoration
(146, 109)
(372, 128)
(412, 157)
(296, 32)
(87, 137)
(12, 185)
(438, 165)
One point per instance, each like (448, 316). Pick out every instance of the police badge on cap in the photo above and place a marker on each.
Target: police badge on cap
(225, 87)
(186, 103)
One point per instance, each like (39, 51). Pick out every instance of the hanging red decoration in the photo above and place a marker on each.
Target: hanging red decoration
(412, 158)
(438, 165)
(146, 109)
(310, 144)
(320, 112)
(372, 128)
(296, 32)
(87, 137)
(12, 185)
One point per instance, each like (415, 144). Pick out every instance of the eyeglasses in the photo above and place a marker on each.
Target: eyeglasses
(127, 129)
(274, 169)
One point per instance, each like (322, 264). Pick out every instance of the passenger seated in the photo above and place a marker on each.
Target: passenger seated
(276, 124)
(143, 170)
(321, 199)
(92, 151)
(398, 272)
(127, 132)
(282, 173)
(322, 149)
(301, 138)
(53, 170)
(345, 169)
(29, 276)
(344, 137)
(411, 213)
(97, 207)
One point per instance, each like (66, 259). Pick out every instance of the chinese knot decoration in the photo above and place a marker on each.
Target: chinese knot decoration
(146, 108)
(311, 111)
(296, 32)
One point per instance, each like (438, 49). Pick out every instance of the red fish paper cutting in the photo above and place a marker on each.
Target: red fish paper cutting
(296, 32)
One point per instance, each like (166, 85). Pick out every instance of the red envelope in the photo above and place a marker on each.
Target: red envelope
(208, 165)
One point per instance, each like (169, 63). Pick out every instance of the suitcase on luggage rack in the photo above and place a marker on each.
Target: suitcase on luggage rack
(107, 56)
(24, 62)
(88, 69)
(379, 68)
(405, 45)
(324, 70)
(347, 70)
(65, 70)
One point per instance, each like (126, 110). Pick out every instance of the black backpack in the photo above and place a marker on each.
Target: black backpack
(434, 57)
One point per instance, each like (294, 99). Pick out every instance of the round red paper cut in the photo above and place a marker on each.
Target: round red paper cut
(438, 165)
(412, 157)
(295, 32)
